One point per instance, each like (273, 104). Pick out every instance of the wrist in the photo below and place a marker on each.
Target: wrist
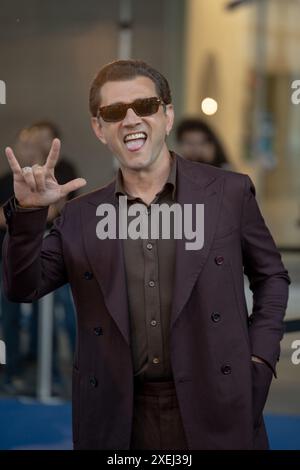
(20, 205)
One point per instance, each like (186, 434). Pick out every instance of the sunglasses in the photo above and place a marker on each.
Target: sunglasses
(142, 107)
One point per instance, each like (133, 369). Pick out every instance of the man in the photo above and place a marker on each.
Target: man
(28, 149)
(166, 356)
(32, 146)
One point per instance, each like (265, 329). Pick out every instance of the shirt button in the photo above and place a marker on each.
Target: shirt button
(219, 260)
(215, 316)
(149, 246)
(8, 213)
(155, 360)
(151, 283)
(153, 322)
(226, 369)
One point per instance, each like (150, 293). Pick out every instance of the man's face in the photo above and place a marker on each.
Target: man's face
(149, 145)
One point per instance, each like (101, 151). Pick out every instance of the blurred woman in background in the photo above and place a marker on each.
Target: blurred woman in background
(198, 142)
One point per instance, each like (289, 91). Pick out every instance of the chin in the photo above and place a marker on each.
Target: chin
(138, 165)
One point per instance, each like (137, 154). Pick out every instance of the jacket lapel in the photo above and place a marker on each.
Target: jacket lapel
(194, 187)
(107, 261)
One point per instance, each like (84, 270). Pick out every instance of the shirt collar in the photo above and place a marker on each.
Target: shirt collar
(171, 181)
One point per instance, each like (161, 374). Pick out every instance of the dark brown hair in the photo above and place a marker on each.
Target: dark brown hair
(197, 125)
(127, 70)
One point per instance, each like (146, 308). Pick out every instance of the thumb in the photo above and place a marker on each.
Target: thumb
(71, 186)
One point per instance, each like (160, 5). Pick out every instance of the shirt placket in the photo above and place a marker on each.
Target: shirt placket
(152, 306)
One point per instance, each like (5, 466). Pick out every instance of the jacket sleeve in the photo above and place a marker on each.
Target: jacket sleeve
(33, 265)
(268, 280)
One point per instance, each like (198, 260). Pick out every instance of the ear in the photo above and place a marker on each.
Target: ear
(98, 129)
(170, 118)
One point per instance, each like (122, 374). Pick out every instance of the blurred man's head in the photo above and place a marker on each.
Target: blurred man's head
(34, 142)
(135, 134)
(197, 142)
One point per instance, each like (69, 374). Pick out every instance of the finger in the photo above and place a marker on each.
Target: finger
(29, 178)
(39, 176)
(12, 161)
(71, 186)
(53, 154)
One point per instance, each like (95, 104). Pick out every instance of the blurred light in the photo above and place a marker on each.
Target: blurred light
(209, 106)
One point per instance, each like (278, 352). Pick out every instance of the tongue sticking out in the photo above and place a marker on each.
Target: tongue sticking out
(134, 145)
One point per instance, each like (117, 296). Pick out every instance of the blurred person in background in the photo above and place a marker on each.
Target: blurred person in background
(199, 143)
(33, 145)
(166, 354)
(40, 137)
(12, 382)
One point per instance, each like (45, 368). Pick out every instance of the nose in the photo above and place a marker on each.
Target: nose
(131, 119)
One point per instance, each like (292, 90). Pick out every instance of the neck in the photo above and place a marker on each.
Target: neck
(147, 182)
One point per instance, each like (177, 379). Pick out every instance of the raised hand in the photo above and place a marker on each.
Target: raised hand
(37, 186)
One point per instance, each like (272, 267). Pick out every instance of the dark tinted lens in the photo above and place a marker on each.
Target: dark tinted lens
(146, 106)
(142, 107)
(113, 113)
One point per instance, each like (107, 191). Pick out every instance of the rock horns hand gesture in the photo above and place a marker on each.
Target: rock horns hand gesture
(37, 186)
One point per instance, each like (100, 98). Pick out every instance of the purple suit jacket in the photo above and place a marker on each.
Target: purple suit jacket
(221, 392)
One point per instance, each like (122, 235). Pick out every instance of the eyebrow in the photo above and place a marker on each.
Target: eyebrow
(111, 104)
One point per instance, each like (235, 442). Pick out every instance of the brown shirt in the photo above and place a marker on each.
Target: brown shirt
(150, 266)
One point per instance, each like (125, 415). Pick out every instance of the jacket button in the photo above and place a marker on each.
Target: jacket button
(98, 331)
(215, 316)
(88, 276)
(226, 369)
(93, 381)
(219, 260)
